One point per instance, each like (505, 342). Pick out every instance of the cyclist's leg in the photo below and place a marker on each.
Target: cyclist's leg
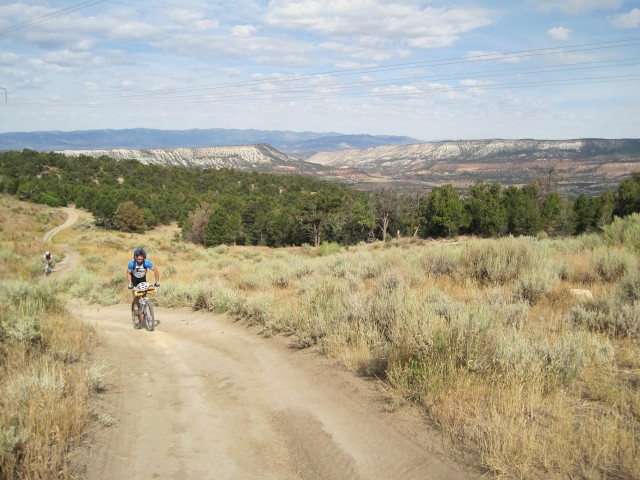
(135, 305)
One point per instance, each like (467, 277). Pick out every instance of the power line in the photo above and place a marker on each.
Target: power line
(293, 84)
(278, 97)
(44, 18)
(188, 93)
(385, 68)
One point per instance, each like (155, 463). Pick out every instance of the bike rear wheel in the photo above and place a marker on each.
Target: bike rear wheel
(149, 319)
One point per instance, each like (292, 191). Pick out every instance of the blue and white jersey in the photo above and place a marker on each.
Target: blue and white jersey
(139, 270)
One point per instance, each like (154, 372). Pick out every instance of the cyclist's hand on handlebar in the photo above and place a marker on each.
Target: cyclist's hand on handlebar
(157, 284)
(130, 286)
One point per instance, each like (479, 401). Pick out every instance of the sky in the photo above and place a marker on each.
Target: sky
(431, 70)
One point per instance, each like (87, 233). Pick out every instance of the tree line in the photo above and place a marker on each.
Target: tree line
(226, 206)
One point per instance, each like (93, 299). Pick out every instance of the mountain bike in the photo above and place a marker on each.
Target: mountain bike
(47, 268)
(145, 316)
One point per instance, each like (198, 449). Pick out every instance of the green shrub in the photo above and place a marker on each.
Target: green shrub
(22, 320)
(328, 248)
(438, 263)
(532, 286)
(97, 374)
(624, 231)
(499, 261)
(507, 311)
(11, 440)
(169, 271)
(608, 316)
(628, 288)
(221, 249)
(609, 264)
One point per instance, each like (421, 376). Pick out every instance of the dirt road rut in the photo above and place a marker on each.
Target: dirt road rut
(203, 397)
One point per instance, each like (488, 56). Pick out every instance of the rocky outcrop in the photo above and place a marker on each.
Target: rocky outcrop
(588, 166)
(260, 158)
(583, 165)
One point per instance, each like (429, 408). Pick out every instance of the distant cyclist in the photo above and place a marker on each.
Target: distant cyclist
(137, 273)
(48, 262)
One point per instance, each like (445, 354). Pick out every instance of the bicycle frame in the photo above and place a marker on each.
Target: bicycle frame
(146, 307)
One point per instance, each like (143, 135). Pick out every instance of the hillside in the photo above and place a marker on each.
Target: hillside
(249, 158)
(581, 165)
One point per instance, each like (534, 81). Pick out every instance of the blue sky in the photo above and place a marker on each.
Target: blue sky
(433, 70)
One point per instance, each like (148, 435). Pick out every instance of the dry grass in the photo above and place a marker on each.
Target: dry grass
(484, 334)
(43, 393)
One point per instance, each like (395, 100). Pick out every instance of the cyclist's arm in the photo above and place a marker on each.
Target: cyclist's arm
(156, 273)
(129, 279)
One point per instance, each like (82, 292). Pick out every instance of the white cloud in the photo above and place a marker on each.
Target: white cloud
(8, 59)
(134, 31)
(193, 20)
(243, 30)
(559, 34)
(378, 24)
(627, 20)
(68, 61)
(481, 55)
(231, 72)
(574, 7)
(343, 50)
(85, 44)
(279, 51)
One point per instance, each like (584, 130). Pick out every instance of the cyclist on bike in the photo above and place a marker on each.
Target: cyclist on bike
(48, 259)
(137, 273)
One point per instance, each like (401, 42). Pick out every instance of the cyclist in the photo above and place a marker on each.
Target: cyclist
(48, 260)
(137, 273)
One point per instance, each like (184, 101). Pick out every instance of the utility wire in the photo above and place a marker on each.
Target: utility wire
(44, 18)
(386, 68)
(276, 97)
(187, 93)
(294, 83)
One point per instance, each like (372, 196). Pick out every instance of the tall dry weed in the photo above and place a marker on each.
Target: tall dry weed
(482, 334)
(44, 409)
(500, 261)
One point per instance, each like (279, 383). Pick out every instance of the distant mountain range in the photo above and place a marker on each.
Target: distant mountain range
(580, 166)
(588, 166)
(300, 144)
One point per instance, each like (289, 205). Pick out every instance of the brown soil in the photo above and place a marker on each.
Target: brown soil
(204, 397)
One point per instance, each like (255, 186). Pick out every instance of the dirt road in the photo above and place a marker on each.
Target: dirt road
(71, 257)
(72, 217)
(203, 397)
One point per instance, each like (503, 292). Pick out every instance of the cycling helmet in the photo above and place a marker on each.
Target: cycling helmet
(47, 253)
(139, 251)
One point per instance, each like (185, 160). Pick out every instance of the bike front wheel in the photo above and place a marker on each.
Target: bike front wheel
(149, 319)
(135, 319)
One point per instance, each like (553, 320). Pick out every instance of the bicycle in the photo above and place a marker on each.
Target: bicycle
(47, 268)
(145, 307)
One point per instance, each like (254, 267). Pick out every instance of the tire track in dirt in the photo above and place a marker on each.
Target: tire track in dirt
(203, 397)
